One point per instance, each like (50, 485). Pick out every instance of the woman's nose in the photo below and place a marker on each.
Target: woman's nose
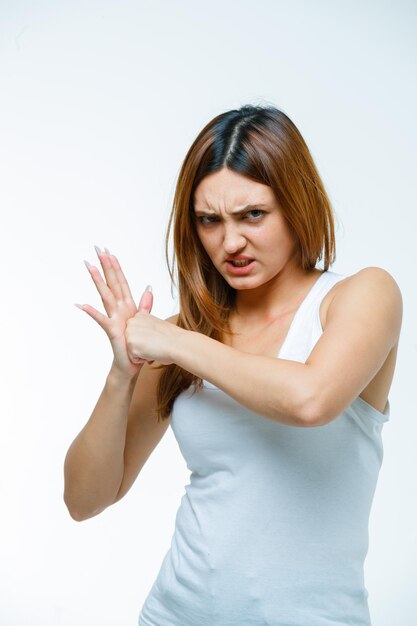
(233, 240)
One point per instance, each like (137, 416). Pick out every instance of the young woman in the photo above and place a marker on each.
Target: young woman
(274, 377)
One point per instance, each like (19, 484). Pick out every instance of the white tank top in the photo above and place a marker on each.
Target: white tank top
(273, 526)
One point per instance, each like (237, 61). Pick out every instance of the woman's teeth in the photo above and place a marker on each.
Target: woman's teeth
(241, 263)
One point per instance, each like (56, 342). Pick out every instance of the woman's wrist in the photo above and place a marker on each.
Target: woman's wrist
(118, 378)
(178, 344)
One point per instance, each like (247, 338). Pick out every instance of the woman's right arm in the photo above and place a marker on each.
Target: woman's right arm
(94, 464)
(106, 457)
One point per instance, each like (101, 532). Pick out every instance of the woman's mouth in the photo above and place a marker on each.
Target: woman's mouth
(240, 268)
(241, 262)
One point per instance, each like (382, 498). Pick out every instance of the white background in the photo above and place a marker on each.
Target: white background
(99, 103)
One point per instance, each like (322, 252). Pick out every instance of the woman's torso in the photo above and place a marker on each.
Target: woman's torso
(273, 525)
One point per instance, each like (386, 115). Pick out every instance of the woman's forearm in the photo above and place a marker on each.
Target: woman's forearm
(278, 389)
(94, 464)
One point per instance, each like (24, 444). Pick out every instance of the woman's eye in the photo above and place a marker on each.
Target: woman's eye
(204, 217)
(256, 211)
(209, 217)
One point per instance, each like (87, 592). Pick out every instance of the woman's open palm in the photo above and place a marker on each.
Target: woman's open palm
(119, 305)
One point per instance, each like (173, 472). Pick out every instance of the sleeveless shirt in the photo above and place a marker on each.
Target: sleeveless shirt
(273, 526)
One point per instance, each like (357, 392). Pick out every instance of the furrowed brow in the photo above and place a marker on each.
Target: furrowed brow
(248, 207)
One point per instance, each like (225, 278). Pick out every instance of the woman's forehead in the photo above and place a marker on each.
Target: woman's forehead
(230, 192)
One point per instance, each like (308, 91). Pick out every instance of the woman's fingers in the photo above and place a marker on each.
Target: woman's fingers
(124, 286)
(101, 319)
(146, 301)
(104, 291)
(114, 290)
(110, 274)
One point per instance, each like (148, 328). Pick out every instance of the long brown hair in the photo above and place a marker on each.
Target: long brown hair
(262, 143)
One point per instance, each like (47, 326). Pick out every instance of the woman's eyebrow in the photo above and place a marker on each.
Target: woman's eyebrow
(248, 207)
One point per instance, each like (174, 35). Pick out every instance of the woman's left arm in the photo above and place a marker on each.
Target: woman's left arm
(363, 323)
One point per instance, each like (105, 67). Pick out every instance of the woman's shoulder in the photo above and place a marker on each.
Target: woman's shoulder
(376, 278)
(371, 289)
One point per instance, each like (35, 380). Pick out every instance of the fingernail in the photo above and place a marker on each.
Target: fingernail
(87, 264)
(79, 306)
(149, 288)
(107, 250)
(97, 250)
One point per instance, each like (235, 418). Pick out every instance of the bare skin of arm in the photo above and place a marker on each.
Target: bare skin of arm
(106, 457)
(363, 325)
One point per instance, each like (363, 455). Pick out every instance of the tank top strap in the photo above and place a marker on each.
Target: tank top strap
(306, 328)
(314, 313)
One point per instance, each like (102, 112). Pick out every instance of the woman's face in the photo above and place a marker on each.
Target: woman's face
(259, 232)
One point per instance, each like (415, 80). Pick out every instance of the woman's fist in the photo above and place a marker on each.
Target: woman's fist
(150, 338)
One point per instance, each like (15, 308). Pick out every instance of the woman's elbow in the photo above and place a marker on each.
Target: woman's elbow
(80, 515)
